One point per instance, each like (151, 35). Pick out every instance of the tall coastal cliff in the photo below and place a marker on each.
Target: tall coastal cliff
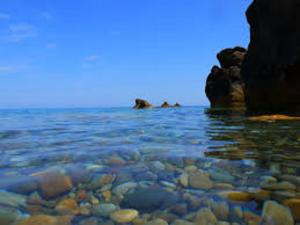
(270, 72)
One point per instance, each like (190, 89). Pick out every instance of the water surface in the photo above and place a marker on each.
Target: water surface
(152, 150)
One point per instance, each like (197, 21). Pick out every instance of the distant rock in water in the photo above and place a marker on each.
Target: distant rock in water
(224, 86)
(165, 105)
(142, 104)
(271, 70)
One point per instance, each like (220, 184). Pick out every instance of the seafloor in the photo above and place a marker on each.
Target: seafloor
(178, 166)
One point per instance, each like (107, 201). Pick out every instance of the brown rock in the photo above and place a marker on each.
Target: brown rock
(157, 222)
(205, 217)
(252, 218)
(124, 216)
(276, 214)
(200, 181)
(47, 220)
(116, 160)
(237, 196)
(106, 179)
(165, 105)
(294, 205)
(67, 206)
(232, 57)
(223, 186)
(224, 86)
(81, 195)
(260, 195)
(221, 210)
(53, 184)
(142, 104)
(107, 195)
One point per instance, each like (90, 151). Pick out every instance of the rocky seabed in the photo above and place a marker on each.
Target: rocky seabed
(133, 188)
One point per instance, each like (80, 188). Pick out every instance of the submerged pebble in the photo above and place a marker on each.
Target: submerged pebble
(205, 216)
(200, 181)
(9, 215)
(124, 216)
(53, 183)
(149, 199)
(294, 205)
(276, 214)
(47, 220)
(104, 209)
(12, 199)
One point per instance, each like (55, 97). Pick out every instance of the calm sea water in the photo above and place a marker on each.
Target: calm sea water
(149, 148)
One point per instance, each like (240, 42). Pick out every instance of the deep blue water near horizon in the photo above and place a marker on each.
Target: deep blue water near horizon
(227, 146)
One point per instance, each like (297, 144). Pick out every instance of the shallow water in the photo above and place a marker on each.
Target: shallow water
(151, 150)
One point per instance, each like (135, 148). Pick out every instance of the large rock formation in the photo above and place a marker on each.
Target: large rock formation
(224, 86)
(271, 70)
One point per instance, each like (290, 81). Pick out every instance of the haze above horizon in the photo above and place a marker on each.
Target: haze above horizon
(92, 53)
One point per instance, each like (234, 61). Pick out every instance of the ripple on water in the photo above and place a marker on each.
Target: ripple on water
(185, 165)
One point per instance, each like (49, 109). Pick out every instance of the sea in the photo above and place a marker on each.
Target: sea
(182, 166)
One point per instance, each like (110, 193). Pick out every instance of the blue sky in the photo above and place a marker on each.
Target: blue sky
(86, 53)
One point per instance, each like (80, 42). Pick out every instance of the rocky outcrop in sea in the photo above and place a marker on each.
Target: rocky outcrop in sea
(165, 105)
(224, 85)
(268, 78)
(271, 70)
(142, 104)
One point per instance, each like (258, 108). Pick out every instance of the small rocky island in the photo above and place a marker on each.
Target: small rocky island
(144, 104)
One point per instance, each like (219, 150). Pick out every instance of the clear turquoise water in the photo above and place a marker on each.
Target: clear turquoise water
(36, 140)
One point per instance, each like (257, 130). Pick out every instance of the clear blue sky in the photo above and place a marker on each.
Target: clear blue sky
(62, 53)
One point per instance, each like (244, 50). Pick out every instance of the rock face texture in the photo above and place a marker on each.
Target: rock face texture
(271, 70)
(142, 104)
(224, 86)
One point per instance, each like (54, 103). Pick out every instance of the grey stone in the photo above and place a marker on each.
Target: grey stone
(104, 209)
(12, 199)
(149, 198)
